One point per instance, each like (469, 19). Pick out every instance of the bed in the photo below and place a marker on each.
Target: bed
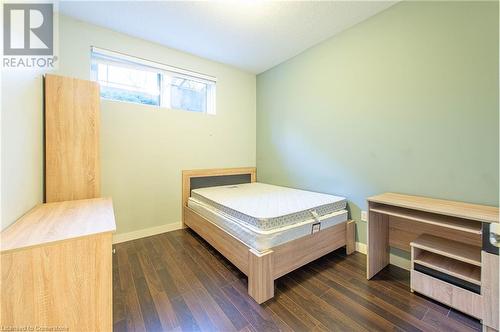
(266, 231)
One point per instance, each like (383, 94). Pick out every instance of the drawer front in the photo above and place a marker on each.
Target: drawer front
(66, 284)
(456, 297)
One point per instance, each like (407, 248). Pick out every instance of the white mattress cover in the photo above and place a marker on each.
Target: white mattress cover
(267, 206)
(262, 240)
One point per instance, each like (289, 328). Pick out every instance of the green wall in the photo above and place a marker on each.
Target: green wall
(21, 143)
(406, 101)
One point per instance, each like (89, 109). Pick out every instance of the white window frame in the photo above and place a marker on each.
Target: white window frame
(164, 71)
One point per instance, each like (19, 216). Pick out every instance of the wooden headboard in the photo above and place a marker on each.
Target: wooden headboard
(201, 178)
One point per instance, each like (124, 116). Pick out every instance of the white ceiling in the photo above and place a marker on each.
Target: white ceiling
(251, 35)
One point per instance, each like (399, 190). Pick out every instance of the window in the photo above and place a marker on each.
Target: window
(126, 84)
(129, 79)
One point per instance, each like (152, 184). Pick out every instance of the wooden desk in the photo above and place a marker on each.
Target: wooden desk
(448, 237)
(394, 220)
(57, 267)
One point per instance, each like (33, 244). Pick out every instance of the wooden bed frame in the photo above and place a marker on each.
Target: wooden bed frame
(261, 268)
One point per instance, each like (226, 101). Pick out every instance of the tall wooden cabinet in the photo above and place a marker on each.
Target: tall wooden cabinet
(72, 123)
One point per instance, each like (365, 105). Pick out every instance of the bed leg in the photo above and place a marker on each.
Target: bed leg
(260, 275)
(350, 241)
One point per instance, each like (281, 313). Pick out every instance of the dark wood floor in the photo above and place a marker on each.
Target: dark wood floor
(176, 281)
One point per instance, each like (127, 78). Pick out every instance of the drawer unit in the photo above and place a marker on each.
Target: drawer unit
(454, 296)
(448, 271)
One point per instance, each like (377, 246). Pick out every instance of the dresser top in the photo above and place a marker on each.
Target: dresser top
(463, 210)
(53, 222)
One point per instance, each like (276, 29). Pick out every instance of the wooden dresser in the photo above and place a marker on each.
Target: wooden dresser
(56, 267)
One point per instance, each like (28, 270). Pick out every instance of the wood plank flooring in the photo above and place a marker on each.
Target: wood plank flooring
(178, 282)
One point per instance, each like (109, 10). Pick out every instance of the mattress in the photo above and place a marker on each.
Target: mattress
(262, 240)
(267, 207)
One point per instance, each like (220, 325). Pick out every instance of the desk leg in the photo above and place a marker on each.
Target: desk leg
(377, 256)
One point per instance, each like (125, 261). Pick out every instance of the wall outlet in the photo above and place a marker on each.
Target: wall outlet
(364, 215)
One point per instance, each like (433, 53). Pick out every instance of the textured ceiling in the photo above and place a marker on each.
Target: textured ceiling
(251, 35)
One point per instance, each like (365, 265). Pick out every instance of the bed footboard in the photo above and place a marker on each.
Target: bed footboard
(262, 268)
(294, 254)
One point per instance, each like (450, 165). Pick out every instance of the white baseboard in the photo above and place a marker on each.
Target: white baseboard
(400, 262)
(394, 260)
(124, 237)
(361, 247)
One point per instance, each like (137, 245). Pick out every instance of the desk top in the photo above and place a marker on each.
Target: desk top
(53, 222)
(483, 213)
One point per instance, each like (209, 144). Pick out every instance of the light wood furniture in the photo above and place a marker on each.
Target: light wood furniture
(57, 268)
(456, 297)
(490, 290)
(442, 207)
(449, 248)
(350, 246)
(442, 263)
(262, 268)
(448, 258)
(72, 122)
